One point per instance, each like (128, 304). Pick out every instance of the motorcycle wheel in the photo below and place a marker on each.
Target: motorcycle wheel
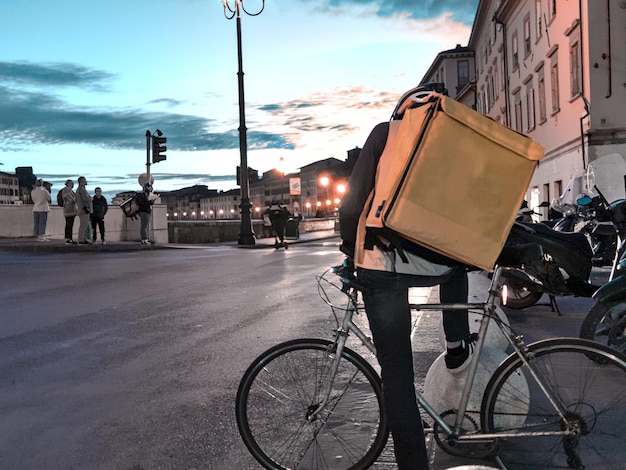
(520, 297)
(606, 324)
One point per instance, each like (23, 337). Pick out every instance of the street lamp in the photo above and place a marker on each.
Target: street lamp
(246, 235)
(281, 170)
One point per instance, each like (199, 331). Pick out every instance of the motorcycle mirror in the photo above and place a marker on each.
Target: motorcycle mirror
(583, 201)
(544, 204)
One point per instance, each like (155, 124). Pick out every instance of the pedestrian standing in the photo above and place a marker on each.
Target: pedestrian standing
(41, 206)
(100, 208)
(145, 201)
(69, 210)
(83, 203)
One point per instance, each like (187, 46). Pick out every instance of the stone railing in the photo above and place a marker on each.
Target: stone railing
(214, 231)
(16, 221)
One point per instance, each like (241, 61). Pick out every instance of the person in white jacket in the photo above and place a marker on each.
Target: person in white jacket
(41, 206)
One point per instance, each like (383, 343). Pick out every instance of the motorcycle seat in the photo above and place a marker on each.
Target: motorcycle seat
(517, 255)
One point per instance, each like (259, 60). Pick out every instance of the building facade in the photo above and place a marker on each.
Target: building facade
(9, 189)
(552, 69)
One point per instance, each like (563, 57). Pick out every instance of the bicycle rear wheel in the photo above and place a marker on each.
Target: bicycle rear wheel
(282, 388)
(588, 382)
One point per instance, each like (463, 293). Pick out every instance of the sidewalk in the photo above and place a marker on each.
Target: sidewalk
(30, 244)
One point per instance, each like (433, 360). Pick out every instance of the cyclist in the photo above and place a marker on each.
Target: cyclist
(387, 278)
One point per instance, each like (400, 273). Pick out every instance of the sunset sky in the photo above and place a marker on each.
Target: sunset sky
(81, 82)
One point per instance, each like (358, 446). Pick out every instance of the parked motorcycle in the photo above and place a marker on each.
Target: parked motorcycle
(592, 216)
(553, 263)
(565, 259)
(606, 320)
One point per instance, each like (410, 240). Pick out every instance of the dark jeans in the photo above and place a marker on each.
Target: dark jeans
(40, 220)
(97, 221)
(389, 315)
(279, 226)
(144, 217)
(69, 226)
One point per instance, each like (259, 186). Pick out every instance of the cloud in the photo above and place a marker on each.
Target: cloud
(31, 114)
(53, 74)
(460, 10)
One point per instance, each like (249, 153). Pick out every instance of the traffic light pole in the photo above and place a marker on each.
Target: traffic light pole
(148, 137)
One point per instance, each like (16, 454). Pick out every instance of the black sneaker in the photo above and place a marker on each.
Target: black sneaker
(457, 359)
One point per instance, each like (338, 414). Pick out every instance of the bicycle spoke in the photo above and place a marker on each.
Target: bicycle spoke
(588, 387)
(281, 397)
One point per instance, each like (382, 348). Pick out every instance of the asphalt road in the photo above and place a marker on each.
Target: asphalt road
(131, 360)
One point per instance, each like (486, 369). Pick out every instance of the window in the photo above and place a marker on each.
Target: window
(558, 188)
(462, 70)
(554, 83)
(541, 89)
(574, 68)
(530, 106)
(552, 8)
(515, 51)
(496, 80)
(539, 18)
(517, 100)
(527, 36)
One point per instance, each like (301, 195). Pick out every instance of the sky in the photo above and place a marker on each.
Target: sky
(81, 82)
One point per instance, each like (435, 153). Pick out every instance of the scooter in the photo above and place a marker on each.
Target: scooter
(554, 263)
(606, 320)
(564, 261)
(591, 215)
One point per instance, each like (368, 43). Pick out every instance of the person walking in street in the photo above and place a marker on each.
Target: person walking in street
(100, 208)
(387, 278)
(41, 206)
(83, 204)
(145, 201)
(69, 210)
(278, 215)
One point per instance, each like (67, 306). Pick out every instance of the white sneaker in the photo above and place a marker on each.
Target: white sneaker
(104, 242)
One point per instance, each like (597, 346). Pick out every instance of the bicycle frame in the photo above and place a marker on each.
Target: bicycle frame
(488, 308)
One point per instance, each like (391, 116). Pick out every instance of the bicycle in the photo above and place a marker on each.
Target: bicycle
(317, 404)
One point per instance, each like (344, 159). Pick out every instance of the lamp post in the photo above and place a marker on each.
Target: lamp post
(281, 170)
(232, 9)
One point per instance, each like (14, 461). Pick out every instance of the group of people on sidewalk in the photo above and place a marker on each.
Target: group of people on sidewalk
(90, 211)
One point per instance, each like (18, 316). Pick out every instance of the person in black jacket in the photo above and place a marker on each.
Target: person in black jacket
(100, 208)
(145, 201)
(278, 215)
(387, 279)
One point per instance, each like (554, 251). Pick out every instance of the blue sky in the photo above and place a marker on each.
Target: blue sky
(81, 82)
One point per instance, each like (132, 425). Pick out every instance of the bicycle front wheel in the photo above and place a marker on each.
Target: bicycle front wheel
(587, 382)
(284, 386)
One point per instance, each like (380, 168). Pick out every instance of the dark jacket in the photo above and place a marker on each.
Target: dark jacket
(145, 205)
(361, 184)
(100, 207)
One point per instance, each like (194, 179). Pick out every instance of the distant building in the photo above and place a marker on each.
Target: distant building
(220, 205)
(121, 197)
(185, 203)
(9, 189)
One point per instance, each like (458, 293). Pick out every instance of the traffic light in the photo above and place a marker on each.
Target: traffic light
(158, 150)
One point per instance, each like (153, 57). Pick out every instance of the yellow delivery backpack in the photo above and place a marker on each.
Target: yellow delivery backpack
(451, 180)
